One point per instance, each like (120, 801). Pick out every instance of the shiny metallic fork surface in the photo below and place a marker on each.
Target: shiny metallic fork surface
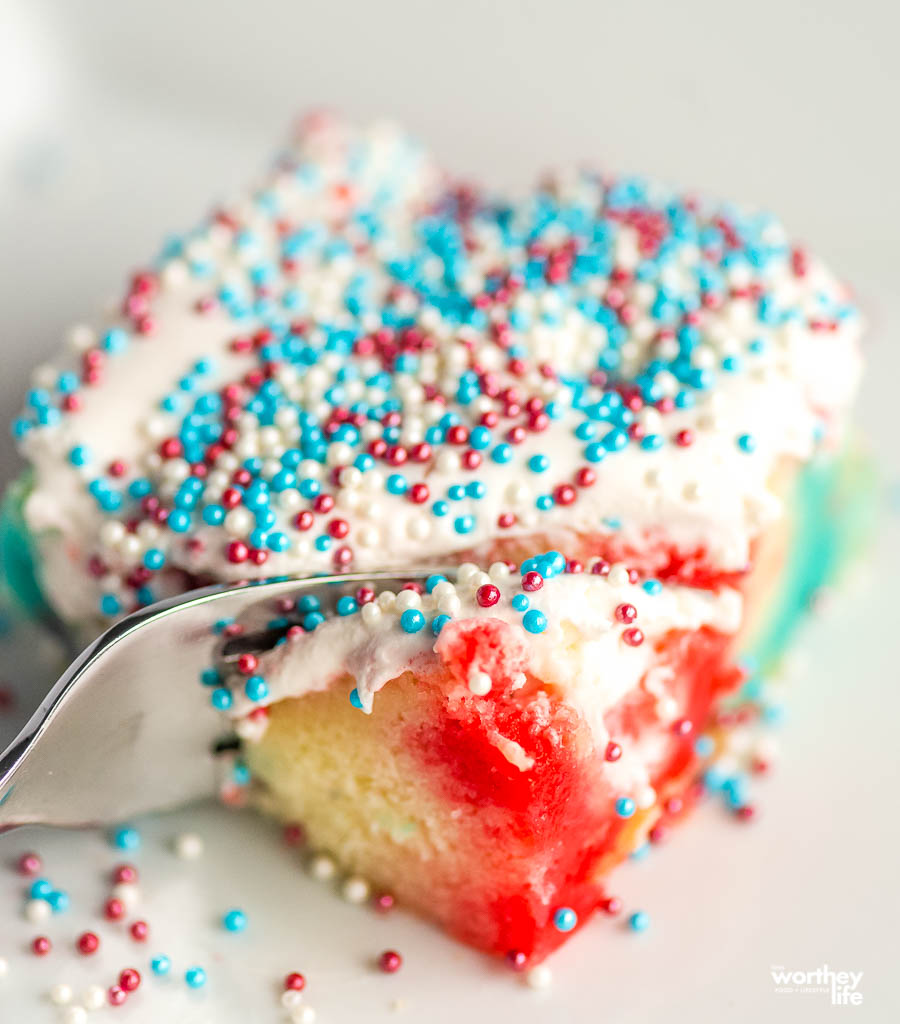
(128, 728)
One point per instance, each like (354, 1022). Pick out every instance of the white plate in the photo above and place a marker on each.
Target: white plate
(120, 137)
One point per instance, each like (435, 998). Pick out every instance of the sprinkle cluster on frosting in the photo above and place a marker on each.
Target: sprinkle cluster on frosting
(402, 347)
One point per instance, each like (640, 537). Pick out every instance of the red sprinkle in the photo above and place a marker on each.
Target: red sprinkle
(247, 664)
(517, 960)
(613, 751)
(87, 943)
(487, 595)
(390, 961)
(633, 637)
(41, 946)
(129, 979)
(139, 932)
(626, 613)
(30, 864)
(294, 982)
(532, 581)
(124, 873)
(611, 905)
(383, 902)
(116, 995)
(114, 910)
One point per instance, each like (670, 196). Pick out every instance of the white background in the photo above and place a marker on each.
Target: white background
(121, 121)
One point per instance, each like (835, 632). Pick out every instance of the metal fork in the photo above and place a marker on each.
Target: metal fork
(128, 728)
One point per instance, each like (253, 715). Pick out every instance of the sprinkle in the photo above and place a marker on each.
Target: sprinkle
(234, 921)
(412, 620)
(539, 977)
(94, 997)
(41, 946)
(355, 890)
(139, 931)
(87, 943)
(160, 965)
(487, 595)
(195, 977)
(126, 839)
(294, 982)
(534, 621)
(438, 623)
(114, 910)
(390, 961)
(746, 443)
(564, 919)
(188, 846)
(29, 864)
(625, 807)
(61, 994)
(639, 921)
(129, 979)
(355, 699)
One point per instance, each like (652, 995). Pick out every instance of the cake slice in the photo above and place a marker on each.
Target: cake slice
(488, 750)
(362, 364)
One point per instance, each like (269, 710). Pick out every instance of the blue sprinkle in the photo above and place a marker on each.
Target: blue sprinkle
(652, 586)
(595, 452)
(114, 340)
(639, 921)
(538, 463)
(80, 455)
(59, 901)
(195, 977)
(412, 620)
(747, 443)
(520, 602)
(40, 889)
(234, 921)
(624, 807)
(312, 620)
(160, 965)
(704, 746)
(346, 605)
(464, 524)
(110, 605)
(564, 919)
(179, 520)
(154, 559)
(256, 688)
(126, 839)
(396, 484)
(221, 699)
(211, 677)
(534, 621)
(438, 623)
(355, 699)
(502, 453)
(308, 603)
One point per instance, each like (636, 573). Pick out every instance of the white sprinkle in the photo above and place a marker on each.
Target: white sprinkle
(355, 890)
(61, 994)
(480, 683)
(499, 572)
(646, 798)
(291, 999)
(303, 1015)
(539, 977)
(128, 893)
(466, 571)
(371, 614)
(75, 1015)
(94, 997)
(386, 600)
(618, 576)
(37, 911)
(450, 604)
(188, 846)
(322, 867)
